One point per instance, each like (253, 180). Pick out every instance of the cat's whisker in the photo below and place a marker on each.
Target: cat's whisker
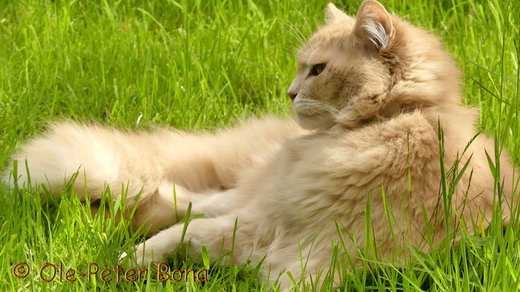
(296, 33)
(316, 107)
(291, 50)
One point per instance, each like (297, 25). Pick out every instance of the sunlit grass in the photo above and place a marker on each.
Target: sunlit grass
(198, 64)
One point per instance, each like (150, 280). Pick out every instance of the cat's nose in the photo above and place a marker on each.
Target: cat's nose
(292, 95)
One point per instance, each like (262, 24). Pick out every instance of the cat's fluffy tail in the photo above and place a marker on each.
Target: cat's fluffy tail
(95, 157)
(65, 151)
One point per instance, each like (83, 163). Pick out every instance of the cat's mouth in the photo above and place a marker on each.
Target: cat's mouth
(313, 114)
(309, 115)
(306, 108)
(314, 120)
(313, 108)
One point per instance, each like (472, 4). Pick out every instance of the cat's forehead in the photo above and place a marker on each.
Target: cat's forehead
(328, 38)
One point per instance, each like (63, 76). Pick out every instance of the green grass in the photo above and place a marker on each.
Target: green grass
(197, 64)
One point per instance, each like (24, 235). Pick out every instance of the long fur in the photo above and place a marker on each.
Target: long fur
(372, 117)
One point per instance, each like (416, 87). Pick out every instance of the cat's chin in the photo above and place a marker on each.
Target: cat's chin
(314, 122)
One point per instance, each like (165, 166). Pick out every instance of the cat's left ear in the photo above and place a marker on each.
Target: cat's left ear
(334, 15)
(374, 25)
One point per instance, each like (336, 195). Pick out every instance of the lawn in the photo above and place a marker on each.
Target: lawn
(195, 64)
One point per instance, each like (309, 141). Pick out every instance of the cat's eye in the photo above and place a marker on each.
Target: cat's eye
(317, 69)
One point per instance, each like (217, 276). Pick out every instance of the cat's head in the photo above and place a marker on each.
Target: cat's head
(356, 70)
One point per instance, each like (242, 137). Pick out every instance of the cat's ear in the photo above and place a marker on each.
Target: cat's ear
(374, 25)
(334, 15)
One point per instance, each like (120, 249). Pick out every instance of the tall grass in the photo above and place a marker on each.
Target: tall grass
(197, 64)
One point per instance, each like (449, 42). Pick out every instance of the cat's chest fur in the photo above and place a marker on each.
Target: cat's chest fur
(331, 174)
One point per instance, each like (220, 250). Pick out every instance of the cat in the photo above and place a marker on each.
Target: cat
(371, 95)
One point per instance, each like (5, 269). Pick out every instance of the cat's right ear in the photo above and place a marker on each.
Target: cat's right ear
(334, 15)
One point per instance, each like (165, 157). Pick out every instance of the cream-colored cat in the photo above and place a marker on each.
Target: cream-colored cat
(371, 92)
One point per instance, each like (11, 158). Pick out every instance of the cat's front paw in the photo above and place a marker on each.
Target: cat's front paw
(143, 256)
